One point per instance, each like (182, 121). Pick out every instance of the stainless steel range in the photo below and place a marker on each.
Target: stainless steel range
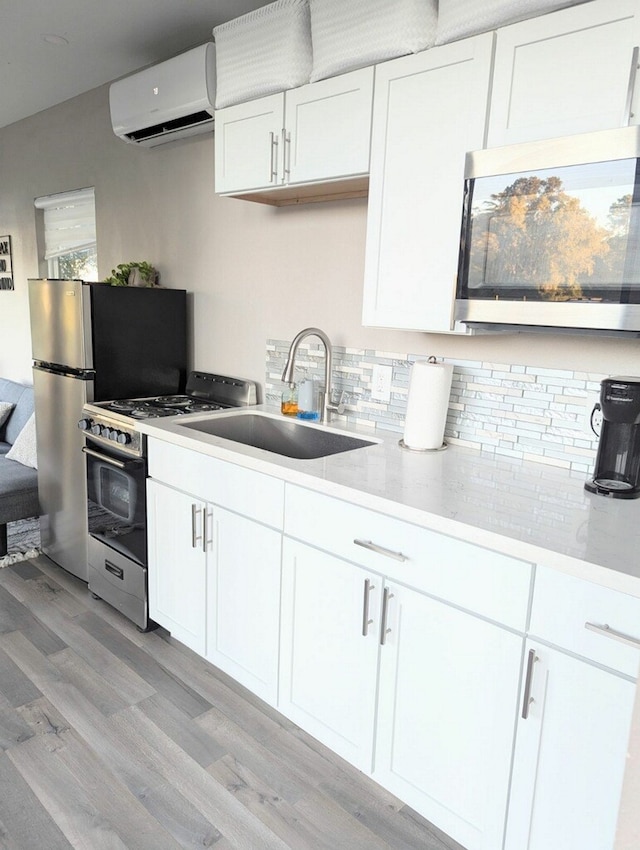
(116, 483)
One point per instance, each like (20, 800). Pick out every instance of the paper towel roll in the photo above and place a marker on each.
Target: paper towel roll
(427, 404)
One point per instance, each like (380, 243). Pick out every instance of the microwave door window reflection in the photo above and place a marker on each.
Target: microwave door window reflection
(556, 234)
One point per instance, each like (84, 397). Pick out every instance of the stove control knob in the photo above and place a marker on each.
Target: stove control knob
(105, 432)
(113, 434)
(84, 424)
(96, 429)
(123, 438)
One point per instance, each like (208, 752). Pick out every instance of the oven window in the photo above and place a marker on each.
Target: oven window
(117, 495)
(563, 234)
(116, 510)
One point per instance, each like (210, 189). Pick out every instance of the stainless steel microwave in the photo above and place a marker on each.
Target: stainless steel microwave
(551, 235)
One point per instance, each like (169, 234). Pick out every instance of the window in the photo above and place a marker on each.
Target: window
(70, 234)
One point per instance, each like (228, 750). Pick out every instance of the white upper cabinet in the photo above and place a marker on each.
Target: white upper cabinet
(328, 128)
(247, 137)
(316, 133)
(568, 72)
(429, 110)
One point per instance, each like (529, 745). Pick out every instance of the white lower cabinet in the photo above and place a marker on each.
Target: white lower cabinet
(328, 667)
(177, 564)
(215, 562)
(570, 755)
(243, 601)
(575, 715)
(448, 696)
(413, 689)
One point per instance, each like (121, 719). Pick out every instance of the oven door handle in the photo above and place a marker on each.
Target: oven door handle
(121, 464)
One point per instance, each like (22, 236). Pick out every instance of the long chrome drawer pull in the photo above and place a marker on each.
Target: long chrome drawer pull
(204, 529)
(366, 622)
(273, 164)
(384, 631)
(194, 524)
(380, 550)
(528, 699)
(613, 634)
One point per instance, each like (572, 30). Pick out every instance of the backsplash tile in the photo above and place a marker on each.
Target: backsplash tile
(515, 411)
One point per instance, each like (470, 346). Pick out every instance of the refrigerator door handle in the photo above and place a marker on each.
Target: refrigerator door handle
(54, 369)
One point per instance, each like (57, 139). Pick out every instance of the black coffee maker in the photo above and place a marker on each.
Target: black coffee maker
(617, 471)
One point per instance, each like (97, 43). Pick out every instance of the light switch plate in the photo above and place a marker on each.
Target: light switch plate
(381, 383)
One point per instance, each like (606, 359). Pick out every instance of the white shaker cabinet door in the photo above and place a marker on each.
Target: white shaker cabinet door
(177, 563)
(243, 601)
(328, 126)
(429, 110)
(328, 667)
(569, 72)
(448, 700)
(570, 754)
(248, 144)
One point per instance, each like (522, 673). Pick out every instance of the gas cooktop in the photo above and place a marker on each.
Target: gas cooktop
(114, 422)
(165, 405)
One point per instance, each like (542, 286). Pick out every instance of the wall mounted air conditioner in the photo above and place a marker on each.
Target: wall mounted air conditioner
(168, 101)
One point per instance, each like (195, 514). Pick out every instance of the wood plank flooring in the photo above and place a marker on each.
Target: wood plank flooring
(114, 739)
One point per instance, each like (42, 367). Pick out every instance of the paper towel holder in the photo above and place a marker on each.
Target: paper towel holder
(441, 448)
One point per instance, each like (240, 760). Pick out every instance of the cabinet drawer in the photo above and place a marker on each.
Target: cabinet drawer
(563, 604)
(476, 579)
(252, 494)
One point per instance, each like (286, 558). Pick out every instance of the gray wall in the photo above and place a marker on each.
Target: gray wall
(256, 272)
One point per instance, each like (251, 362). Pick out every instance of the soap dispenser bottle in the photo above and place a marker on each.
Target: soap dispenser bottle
(308, 400)
(289, 401)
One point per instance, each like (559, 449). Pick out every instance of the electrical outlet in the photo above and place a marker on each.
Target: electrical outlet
(592, 416)
(381, 383)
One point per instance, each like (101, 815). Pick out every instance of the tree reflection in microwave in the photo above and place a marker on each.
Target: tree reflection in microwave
(535, 237)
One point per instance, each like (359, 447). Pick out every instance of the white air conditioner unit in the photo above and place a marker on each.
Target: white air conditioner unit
(168, 101)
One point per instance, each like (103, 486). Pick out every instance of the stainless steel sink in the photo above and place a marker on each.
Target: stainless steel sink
(281, 436)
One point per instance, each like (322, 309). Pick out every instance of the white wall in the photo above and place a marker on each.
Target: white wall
(255, 271)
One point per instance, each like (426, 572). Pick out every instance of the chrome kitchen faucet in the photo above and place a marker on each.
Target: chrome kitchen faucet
(287, 374)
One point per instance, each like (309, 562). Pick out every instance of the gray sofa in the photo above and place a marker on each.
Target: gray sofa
(18, 483)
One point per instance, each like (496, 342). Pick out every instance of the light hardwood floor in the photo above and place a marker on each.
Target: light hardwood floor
(110, 738)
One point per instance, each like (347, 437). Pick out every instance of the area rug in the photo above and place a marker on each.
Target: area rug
(23, 541)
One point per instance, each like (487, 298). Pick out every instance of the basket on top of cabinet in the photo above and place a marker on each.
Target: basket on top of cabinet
(350, 34)
(263, 52)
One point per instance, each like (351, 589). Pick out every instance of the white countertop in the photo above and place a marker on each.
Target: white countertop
(523, 509)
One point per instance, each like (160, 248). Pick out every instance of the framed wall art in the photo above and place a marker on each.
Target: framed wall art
(6, 265)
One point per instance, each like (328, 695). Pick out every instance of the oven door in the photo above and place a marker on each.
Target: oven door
(116, 507)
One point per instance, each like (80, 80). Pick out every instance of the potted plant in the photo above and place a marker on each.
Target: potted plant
(133, 274)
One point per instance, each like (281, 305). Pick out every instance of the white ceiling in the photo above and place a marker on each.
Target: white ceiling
(106, 39)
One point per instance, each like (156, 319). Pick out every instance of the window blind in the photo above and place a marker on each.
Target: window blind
(69, 222)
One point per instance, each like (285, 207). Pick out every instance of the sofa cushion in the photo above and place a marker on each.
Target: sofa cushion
(5, 409)
(22, 396)
(24, 448)
(18, 491)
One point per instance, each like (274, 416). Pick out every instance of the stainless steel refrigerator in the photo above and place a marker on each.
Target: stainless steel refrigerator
(93, 342)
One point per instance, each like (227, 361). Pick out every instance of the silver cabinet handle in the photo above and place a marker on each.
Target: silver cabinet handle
(380, 550)
(273, 176)
(528, 699)
(628, 104)
(194, 526)
(366, 622)
(286, 140)
(384, 631)
(204, 529)
(607, 631)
